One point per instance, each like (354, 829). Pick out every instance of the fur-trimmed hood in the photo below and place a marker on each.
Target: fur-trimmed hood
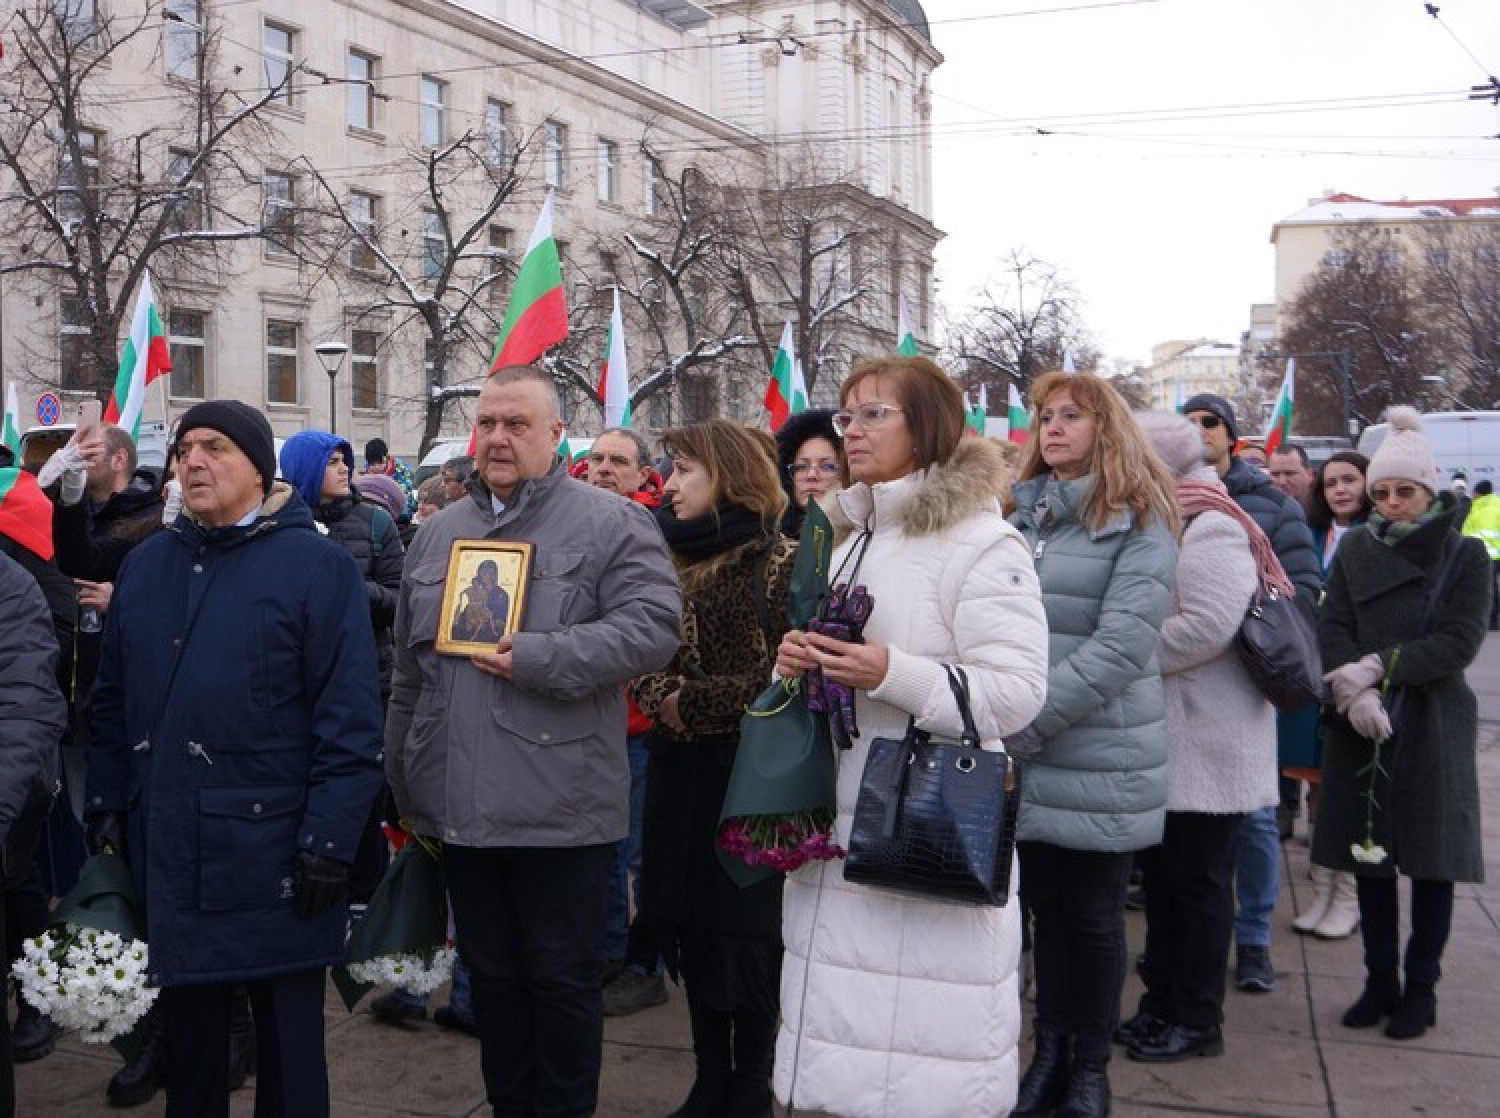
(927, 501)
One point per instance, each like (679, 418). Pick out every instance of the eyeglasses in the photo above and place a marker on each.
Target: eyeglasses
(1396, 492)
(1208, 422)
(807, 469)
(870, 417)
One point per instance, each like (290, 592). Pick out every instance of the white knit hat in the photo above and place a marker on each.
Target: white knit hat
(1404, 454)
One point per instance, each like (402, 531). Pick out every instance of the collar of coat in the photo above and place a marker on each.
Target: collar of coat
(528, 489)
(282, 508)
(924, 502)
(1383, 567)
(1062, 500)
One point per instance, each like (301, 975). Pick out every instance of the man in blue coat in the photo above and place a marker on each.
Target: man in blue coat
(237, 736)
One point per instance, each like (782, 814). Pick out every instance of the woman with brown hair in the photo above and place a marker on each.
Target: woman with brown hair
(894, 1004)
(1098, 507)
(720, 513)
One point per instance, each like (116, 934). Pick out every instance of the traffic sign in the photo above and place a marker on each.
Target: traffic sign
(48, 409)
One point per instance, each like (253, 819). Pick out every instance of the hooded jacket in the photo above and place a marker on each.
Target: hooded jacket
(367, 531)
(1100, 780)
(539, 759)
(237, 720)
(895, 1006)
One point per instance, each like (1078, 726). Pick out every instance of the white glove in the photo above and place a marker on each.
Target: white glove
(172, 506)
(69, 466)
(1368, 716)
(1353, 679)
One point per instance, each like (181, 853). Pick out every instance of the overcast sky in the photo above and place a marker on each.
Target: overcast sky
(1163, 224)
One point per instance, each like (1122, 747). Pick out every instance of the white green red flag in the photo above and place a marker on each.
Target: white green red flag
(1279, 433)
(145, 358)
(906, 340)
(12, 436)
(614, 377)
(564, 448)
(975, 419)
(1020, 422)
(537, 317)
(786, 391)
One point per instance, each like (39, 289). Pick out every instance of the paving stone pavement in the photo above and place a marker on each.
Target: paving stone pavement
(1286, 1055)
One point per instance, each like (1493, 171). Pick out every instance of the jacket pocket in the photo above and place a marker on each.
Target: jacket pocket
(425, 603)
(246, 839)
(555, 591)
(547, 721)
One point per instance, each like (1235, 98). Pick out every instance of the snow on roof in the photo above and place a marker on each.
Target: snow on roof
(1350, 207)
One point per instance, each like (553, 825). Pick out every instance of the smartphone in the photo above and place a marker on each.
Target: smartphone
(88, 415)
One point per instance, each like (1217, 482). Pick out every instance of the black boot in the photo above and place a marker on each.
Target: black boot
(241, 1039)
(707, 1098)
(711, 1053)
(749, 1097)
(1414, 1014)
(1046, 1080)
(750, 1085)
(1088, 1092)
(33, 1035)
(1381, 996)
(136, 1082)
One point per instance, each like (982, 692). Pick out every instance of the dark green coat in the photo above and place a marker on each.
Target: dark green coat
(1428, 809)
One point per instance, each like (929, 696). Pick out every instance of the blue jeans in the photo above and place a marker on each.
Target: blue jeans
(627, 864)
(1257, 877)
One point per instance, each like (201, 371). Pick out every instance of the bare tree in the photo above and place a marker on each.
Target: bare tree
(1023, 323)
(440, 263)
(88, 209)
(1460, 285)
(1363, 300)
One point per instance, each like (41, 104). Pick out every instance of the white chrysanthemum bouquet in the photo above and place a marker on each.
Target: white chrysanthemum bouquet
(85, 979)
(418, 972)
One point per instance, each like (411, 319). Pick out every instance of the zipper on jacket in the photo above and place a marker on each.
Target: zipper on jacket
(196, 750)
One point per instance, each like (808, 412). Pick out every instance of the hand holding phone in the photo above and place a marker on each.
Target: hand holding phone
(88, 416)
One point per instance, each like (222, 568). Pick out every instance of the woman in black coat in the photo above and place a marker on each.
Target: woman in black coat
(1403, 617)
(721, 508)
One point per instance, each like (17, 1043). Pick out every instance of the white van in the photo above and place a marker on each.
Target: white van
(1466, 442)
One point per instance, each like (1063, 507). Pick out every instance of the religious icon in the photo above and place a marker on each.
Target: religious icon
(484, 595)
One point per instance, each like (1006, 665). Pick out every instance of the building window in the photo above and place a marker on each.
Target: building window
(281, 361)
(363, 348)
(434, 245)
(79, 19)
(78, 180)
(182, 43)
(498, 266)
(73, 364)
(276, 48)
(655, 188)
(434, 123)
(187, 342)
(364, 212)
(361, 104)
(279, 214)
(609, 160)
(186, 208)
(496, 134)
(554, 153)
(699, 399)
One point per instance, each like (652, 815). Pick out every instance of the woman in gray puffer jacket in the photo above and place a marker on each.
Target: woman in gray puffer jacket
(1097, 506)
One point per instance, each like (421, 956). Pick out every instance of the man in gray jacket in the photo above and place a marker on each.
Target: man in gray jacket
(515, 758)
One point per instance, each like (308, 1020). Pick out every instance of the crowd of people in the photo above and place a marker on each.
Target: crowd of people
(239, 677)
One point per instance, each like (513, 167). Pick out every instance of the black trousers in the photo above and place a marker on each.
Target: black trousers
(1189, 918)
(530, 924)
(291, 1070)
(1380, 928)
(1077, 901)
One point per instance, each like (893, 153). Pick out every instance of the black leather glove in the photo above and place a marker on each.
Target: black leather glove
(105, 830)
(318, 883)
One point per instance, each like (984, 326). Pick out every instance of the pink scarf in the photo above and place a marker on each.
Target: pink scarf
(1194, 497)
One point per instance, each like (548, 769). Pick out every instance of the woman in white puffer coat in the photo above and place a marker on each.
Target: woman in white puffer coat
(894, 1006)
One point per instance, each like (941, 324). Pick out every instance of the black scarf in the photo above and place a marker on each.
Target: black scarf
(702, 537)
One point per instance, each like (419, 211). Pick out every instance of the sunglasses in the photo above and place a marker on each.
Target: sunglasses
(870, 417)
(1208, 422)
(1393, 492)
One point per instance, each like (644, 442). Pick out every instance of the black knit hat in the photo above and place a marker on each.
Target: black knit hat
(814, 423)
(242, 425)
(1214, 405)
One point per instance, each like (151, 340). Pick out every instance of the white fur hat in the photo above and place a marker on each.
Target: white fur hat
(1405, 454)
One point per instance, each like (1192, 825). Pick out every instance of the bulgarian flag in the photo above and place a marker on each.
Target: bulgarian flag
(537, 317)
(906, 340)
(1020, 422)
(564, 448)
(145, 358)
(786, 391)
(12, 435)
(975, 419)
(614, 377)
(1280, 430)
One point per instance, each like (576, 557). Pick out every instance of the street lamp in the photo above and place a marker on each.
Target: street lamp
(331, 355)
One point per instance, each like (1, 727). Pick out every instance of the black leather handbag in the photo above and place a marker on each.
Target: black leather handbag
(1278, 645)
(937, 819)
